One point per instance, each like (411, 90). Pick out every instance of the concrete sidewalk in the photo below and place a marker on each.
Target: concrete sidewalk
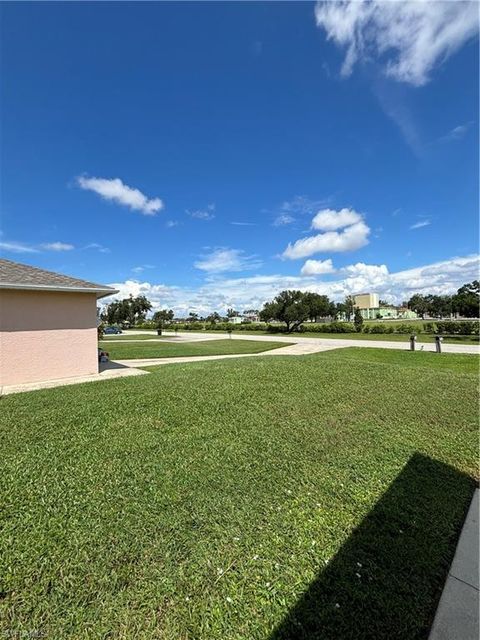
(457, 615)
(290, 350)
(107, 372)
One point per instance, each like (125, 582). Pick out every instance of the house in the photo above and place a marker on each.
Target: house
(48, 324)
(370, 308)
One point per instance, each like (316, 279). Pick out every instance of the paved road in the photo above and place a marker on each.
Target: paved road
(326, 342)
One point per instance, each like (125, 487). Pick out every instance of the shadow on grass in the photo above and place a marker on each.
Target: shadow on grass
(386, 580)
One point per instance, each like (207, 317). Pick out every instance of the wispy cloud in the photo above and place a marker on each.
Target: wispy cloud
(244, 224)
(409, 39)
(57, 246)
(143, 267)
(283, 220)
(457, 133)
(206, 214)
(115, 190)
(224, 259)
(171, 223)
(419, 225)
(17, 247)
(98, 247)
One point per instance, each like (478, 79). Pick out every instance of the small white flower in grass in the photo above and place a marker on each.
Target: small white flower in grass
(358, 575)
(255, 557)
(337, 606)
(288, 491)
(359, 564)
(236, 539)
(187, 598)
(219, 571)
(268, 584)
(318, 504)
(229, 599)
(277, 566)
(314, 542)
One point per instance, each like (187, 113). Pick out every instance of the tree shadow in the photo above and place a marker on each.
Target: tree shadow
(386, 580)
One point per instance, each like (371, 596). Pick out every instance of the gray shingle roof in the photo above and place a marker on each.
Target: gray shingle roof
(14, 275)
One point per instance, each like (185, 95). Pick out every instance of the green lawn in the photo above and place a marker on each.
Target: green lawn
(147, 349)
(316, 497)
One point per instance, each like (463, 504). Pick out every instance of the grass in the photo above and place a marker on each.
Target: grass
(266, 498)
(132, 350)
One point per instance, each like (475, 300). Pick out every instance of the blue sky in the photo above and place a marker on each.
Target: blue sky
(211, 154)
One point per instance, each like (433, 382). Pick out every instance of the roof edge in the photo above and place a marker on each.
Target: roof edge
(104, 291)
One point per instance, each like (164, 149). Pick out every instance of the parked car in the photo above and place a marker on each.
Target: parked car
(103, 356)
(111, 330)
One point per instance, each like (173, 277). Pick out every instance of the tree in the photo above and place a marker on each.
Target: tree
(466, 302)
(231, 313)
(131, 310)
(163, 317)
(213, 318)
(319, 306)
(349, 306)
(289, 307)
(419, 304)
(192, 317)
(383, 303)
(358, 320)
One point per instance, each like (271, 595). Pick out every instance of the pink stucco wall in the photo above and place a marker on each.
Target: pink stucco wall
(46, 335)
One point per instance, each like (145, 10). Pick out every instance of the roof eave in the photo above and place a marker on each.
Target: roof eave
(101, 292)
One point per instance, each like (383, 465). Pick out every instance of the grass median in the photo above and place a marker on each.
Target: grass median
(149, 349)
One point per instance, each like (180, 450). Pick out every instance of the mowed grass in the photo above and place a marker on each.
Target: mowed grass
(266, 498)
(148, 349)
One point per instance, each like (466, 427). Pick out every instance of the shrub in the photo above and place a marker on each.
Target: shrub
(429, 327)
(406, 328)
(461, 328)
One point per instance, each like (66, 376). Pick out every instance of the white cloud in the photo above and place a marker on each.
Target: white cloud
(317, 267)
(115, 190)
(457, 133)
(203, 214)
(98, 247)
(227, 260)
(13, 246)
(329, 219)
(142, 268)
(283, 220)
(219, 294)
(171, 223)
(408, 38)
(349, 239)
(17, 247)
(419, 225)
(57, 246)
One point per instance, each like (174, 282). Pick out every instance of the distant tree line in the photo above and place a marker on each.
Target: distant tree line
(465, 303)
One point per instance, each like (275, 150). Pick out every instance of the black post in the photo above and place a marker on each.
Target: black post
(438, 344)
(413, 339)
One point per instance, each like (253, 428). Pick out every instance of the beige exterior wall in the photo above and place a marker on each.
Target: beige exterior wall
(46, 335)
(366, 301)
